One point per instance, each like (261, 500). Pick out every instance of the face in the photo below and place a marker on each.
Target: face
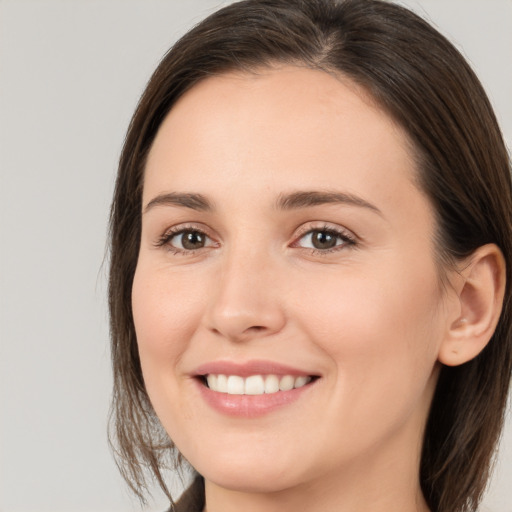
(286, 298)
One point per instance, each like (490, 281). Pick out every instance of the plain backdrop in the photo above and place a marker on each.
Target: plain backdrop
(71, 72)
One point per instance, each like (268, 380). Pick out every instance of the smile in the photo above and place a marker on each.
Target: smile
(252, 388)
(254, 384)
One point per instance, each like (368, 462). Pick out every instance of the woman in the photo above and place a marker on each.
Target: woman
(311, 253)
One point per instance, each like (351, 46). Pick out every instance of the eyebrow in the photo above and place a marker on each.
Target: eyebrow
(304, 199)
(187, 200)
(292, 201)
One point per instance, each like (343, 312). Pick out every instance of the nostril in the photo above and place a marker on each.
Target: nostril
(244, 321)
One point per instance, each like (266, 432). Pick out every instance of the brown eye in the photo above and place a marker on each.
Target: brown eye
(189, 240)
(324, 240)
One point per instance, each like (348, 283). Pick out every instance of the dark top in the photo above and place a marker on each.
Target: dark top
(192, 499)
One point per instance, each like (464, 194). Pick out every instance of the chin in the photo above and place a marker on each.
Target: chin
(250, 477)
(251, 482)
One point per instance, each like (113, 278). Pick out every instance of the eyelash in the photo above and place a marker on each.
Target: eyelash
(347, 239)
(166, 238)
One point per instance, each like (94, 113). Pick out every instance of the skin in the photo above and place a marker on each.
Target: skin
(368, 317)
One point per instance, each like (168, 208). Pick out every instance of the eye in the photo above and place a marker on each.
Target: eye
(189, 240)
(185, 240)
(324, 239)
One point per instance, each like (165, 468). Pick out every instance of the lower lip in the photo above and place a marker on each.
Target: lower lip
(250, 406)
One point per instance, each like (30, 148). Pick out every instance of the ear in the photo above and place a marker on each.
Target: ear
(480, 290)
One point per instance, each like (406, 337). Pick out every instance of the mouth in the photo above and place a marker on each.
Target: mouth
(254, 385)
(251, 389)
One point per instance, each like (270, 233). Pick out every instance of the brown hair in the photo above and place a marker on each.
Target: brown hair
(424, 83)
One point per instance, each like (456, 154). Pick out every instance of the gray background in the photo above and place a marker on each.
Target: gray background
(71, 72)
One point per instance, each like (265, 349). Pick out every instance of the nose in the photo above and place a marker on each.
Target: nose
(246, 303)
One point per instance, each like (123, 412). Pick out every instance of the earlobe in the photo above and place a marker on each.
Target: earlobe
(481, 299)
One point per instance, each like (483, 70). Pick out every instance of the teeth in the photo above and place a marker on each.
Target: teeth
(222, 383)
(235, 385)
(301, 381)
(255, 384)
(286, 383)
(212, 381)
(272, 384)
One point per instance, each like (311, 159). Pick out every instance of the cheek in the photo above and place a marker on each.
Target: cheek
(166, 312)
(365, 307)
(164, 307)
(381, 332)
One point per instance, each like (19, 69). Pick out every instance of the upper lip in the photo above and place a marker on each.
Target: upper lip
(253, 367)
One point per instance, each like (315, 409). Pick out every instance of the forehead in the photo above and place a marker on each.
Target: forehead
(281, 125)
